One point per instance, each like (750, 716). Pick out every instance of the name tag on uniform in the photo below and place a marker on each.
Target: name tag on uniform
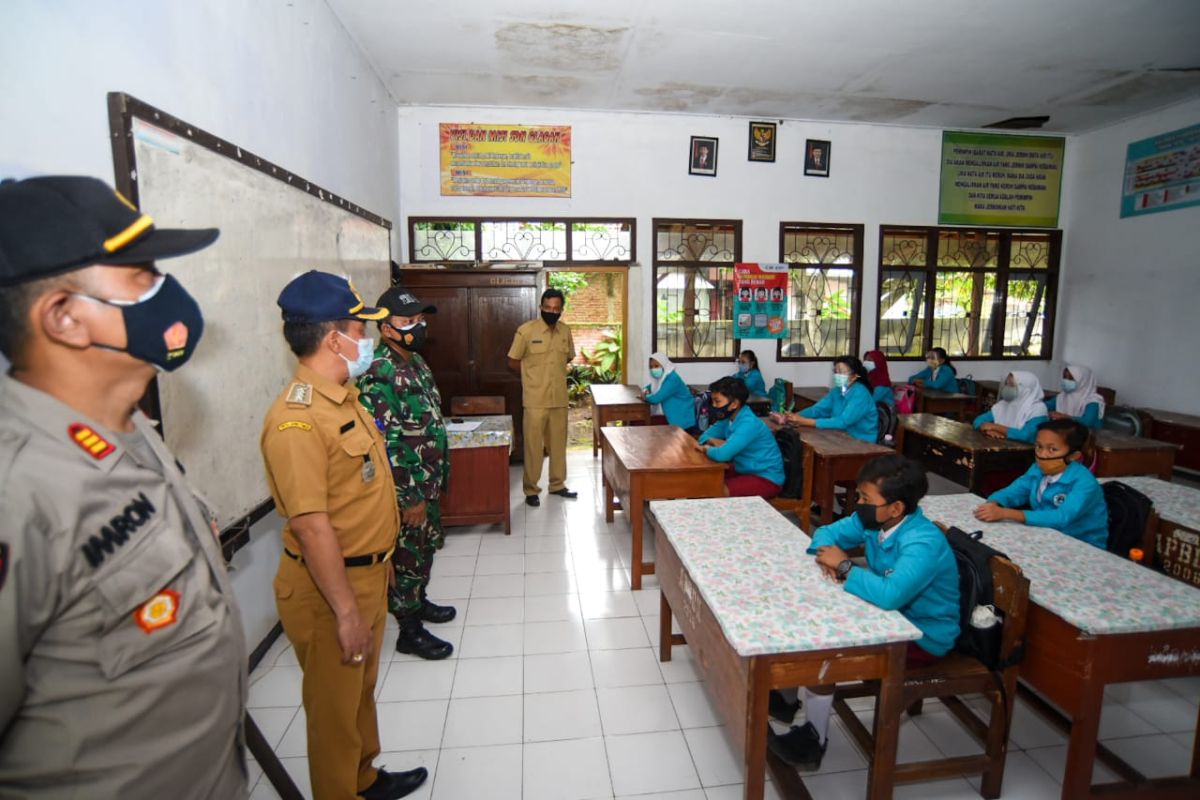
(368, 469)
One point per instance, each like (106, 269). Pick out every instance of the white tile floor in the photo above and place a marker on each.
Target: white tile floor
(555, 691)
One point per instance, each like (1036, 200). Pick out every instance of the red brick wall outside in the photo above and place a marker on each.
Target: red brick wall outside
(587, 313)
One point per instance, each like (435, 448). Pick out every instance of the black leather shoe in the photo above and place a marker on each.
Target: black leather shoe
(414, 640)
(781, 709)
(393, 785)
(532, 500)
(801, 747)
(567, 493)
(432, 612)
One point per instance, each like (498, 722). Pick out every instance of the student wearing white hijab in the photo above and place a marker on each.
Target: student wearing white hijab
(669, 395)
(1019, 410)
(1079, 399)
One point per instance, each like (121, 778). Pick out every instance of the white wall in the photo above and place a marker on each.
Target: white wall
(1131, 286)
(636, 165)
(282, 79)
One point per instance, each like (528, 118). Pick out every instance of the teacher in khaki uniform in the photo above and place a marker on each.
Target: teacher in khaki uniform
(122, 656)
(328, 471)
(541, 351)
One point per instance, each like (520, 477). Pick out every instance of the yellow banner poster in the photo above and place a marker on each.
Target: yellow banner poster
(505, 160)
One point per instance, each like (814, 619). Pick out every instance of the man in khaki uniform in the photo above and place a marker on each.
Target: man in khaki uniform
(122, 656)
(541, 350)
(328, 470)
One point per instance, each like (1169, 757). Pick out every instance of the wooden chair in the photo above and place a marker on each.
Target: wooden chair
(476, 405)
(951, 677)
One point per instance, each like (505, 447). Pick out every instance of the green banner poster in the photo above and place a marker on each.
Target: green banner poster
(997, 179)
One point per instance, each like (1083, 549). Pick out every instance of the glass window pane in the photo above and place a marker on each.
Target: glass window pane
(820, 314)
(695, 242)
(902, 313)
(601, 241)
(962, 312)
(1030, 251)
(444, 241)
(966, 248)
(524, 241)
(1025, 314)
(694, 311)
(819, 245)
(904, 248)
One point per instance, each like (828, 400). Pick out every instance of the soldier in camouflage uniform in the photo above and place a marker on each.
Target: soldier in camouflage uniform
(400, 392)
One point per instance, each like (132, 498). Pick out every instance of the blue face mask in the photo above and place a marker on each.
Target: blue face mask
(656, 372)
(1008, 393)
(840, 380)
(366, 354)
(1069, 385)
(743, 367)
(162, 327)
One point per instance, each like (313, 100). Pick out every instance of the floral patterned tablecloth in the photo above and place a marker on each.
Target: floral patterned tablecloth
(1090, 588)
(494, 431)
(768, 596)
(1173, 502)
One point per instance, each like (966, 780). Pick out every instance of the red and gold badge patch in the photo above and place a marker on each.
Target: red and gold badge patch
(175, 338)
(92, 443)
(158, 612)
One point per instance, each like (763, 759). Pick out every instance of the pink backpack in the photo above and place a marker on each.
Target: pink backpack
(906, 398)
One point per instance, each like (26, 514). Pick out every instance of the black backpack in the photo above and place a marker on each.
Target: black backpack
(1128, 511)
(975, 589)
(792, 450)
(1123, 419)
(887, 422)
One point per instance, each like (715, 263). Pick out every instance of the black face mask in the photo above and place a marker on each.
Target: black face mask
(162, 327)
(866, 515)
(411, 338)
(550, 318)
(720, 412)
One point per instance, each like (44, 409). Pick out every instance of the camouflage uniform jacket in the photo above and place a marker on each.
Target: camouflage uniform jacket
(403, 398)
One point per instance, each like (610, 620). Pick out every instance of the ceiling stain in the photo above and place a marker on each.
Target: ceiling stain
(543, 87)
(673, 96)
(559, 46)
(1145, 88)
(858, 108)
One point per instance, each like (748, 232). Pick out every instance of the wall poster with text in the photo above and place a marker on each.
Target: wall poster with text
(1162, 173)
(504, 160)
(1000, 179)
(760, 301)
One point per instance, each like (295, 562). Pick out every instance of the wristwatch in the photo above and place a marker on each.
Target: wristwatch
(843, 568)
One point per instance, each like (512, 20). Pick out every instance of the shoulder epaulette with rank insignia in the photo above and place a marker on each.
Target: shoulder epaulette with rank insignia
(300, 394)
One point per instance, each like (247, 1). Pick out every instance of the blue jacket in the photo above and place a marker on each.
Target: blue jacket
(1027, 433)
(913, 571)
(677, 402)
(884, 394)
(1090, 417)
(753, 380)
(853, 412)
(1074, 504)
(947, 379)
(749, 444)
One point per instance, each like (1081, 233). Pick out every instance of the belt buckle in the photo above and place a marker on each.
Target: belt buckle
(386, 556)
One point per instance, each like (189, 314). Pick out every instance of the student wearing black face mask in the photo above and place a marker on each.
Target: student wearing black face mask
(400, 392)
(910, 569)
(744, 440)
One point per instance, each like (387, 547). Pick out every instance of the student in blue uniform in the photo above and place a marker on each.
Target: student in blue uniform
(1057, 491)
(910, 569)
(670, 397)
(938, 374)
(849, 405)
(1079, 399)
(749, 373)
(1018, 412)
(743, 439)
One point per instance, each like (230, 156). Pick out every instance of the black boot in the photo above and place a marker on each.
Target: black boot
(394, 785)
(414, 640)
(432, 612)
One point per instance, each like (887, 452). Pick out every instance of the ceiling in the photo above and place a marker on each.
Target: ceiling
(940, 63)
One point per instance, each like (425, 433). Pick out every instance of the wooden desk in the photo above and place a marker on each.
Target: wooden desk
(760, 404)
(1118, 454)
(478, 489)
(1176, 428)
(658, 462)
(957, 451)
(807, 396)
(1177, 540)
(616, 402)
(1094, 619)
(933, 401)
(758, 615)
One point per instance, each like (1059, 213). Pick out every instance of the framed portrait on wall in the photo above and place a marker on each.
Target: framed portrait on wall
(702, 156)
(762, 142)
(816, 157)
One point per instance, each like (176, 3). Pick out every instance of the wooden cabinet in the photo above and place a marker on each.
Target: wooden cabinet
(478, 313)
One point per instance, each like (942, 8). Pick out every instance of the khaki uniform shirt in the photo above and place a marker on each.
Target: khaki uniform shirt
(324, 454)
(544, 353)
(122, 656)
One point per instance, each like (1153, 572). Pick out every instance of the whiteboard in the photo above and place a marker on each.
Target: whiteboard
(213, 407)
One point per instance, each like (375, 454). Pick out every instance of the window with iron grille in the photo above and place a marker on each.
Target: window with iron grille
(554, 241)
(978, 293)
(825, 289)
(693, 288)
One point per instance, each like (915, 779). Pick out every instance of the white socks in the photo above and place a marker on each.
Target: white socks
(817, 708)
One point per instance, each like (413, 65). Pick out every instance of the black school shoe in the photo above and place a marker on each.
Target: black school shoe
(781, 709)
(567, 493)
(439, 615)
(801, 747)
(414, 640)
(393, 785)
(532, 500)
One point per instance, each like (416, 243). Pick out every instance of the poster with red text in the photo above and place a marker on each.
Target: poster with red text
(760, 301)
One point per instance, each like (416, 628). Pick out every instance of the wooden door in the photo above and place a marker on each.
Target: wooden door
(448, 350)
(496, 313)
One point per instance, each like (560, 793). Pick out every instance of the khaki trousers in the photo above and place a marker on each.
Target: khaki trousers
(339, 699)
(545, 431)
